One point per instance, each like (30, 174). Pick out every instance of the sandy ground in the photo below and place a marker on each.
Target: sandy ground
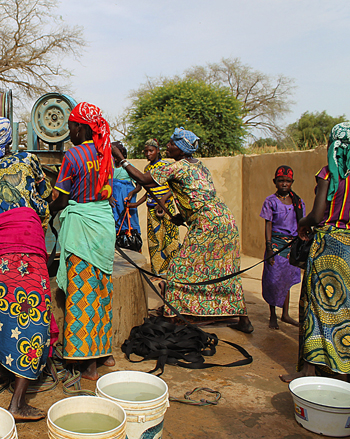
(254, 402)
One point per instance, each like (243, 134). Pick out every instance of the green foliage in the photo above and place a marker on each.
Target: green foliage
(312, 129)
(210, 111)
(260, 143)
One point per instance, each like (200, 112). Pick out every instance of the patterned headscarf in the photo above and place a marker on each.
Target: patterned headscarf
(5, 134)
(284, 171)
(91, 115)
(185, 140)
(287, 171)
(338, 156)
(152, 142)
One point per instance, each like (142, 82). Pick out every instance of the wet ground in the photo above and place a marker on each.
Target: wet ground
(254, 402)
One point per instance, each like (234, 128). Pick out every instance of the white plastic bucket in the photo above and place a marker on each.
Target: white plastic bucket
(143, 418)
(7, 425)
(85, 404)
(325, 408)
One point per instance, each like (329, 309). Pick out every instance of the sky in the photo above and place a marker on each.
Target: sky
(130, 40)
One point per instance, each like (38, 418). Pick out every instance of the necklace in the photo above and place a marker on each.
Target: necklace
(282, 197)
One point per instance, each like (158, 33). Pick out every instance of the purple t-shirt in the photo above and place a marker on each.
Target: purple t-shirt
(337, 211)
(282, 216)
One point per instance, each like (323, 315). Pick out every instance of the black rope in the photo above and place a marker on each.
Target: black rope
(211, 281)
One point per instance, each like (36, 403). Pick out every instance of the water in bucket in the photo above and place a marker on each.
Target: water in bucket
(87, 422)
(144, 398)
(325, 396)
(132, 391)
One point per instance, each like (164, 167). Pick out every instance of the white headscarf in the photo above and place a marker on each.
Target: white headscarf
(5, 134)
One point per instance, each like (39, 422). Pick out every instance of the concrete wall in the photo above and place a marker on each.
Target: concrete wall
(243, 182)
(258, 172)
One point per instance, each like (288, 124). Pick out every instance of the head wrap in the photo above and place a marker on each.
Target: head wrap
(284, 171)
(185, 140)
(152, 142)
(338, 156)
(91, 115)
(5, 134)
(287, 171)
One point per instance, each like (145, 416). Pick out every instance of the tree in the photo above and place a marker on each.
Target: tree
(31, 49)
(312, 129)
(210, 111)
(265, 99)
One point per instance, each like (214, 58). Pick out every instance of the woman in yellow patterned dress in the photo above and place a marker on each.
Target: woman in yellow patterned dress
(162, 234)
(211, 246)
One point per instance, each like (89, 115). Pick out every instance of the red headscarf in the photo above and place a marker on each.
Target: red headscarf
(282, 171)
(91, 115)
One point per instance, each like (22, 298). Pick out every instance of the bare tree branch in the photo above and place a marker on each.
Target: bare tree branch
(33, 41)
(265, 100)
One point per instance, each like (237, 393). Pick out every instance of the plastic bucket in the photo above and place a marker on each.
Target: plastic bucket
(85, 404)
(322, 405)
(143, 418)
(7, 425)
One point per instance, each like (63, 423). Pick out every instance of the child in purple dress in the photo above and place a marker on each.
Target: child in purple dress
(281, 211)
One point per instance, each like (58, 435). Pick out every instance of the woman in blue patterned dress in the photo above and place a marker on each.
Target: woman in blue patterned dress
(324, 341)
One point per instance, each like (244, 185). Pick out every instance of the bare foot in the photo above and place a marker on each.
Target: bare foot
(290, 377)
(107, 361)
(243, 326)
(273, 323)
(27, 413)
(90, 376)
(308, 370)
(289, 320)
(89, 370)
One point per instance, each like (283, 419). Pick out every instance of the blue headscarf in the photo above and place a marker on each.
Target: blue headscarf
(5, 134)
(185, 140)
(338, 156)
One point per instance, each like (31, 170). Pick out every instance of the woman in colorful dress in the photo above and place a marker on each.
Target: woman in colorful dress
(87, 238)
(211, 246)
(324, 347)
(162, 234)
(281, 211)
(25, 297)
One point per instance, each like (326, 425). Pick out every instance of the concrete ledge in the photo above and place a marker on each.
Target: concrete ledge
(129, 298)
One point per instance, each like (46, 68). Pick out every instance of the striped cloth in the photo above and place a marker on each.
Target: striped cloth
(337, 212)
(79, 175)
(160, 190)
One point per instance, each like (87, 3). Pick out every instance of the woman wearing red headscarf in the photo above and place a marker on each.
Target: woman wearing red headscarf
(87, 238)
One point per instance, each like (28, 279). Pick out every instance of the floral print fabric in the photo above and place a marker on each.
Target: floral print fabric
(210, 249)
(25, 314)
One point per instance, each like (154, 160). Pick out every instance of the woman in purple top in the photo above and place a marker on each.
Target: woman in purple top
(281, 212)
